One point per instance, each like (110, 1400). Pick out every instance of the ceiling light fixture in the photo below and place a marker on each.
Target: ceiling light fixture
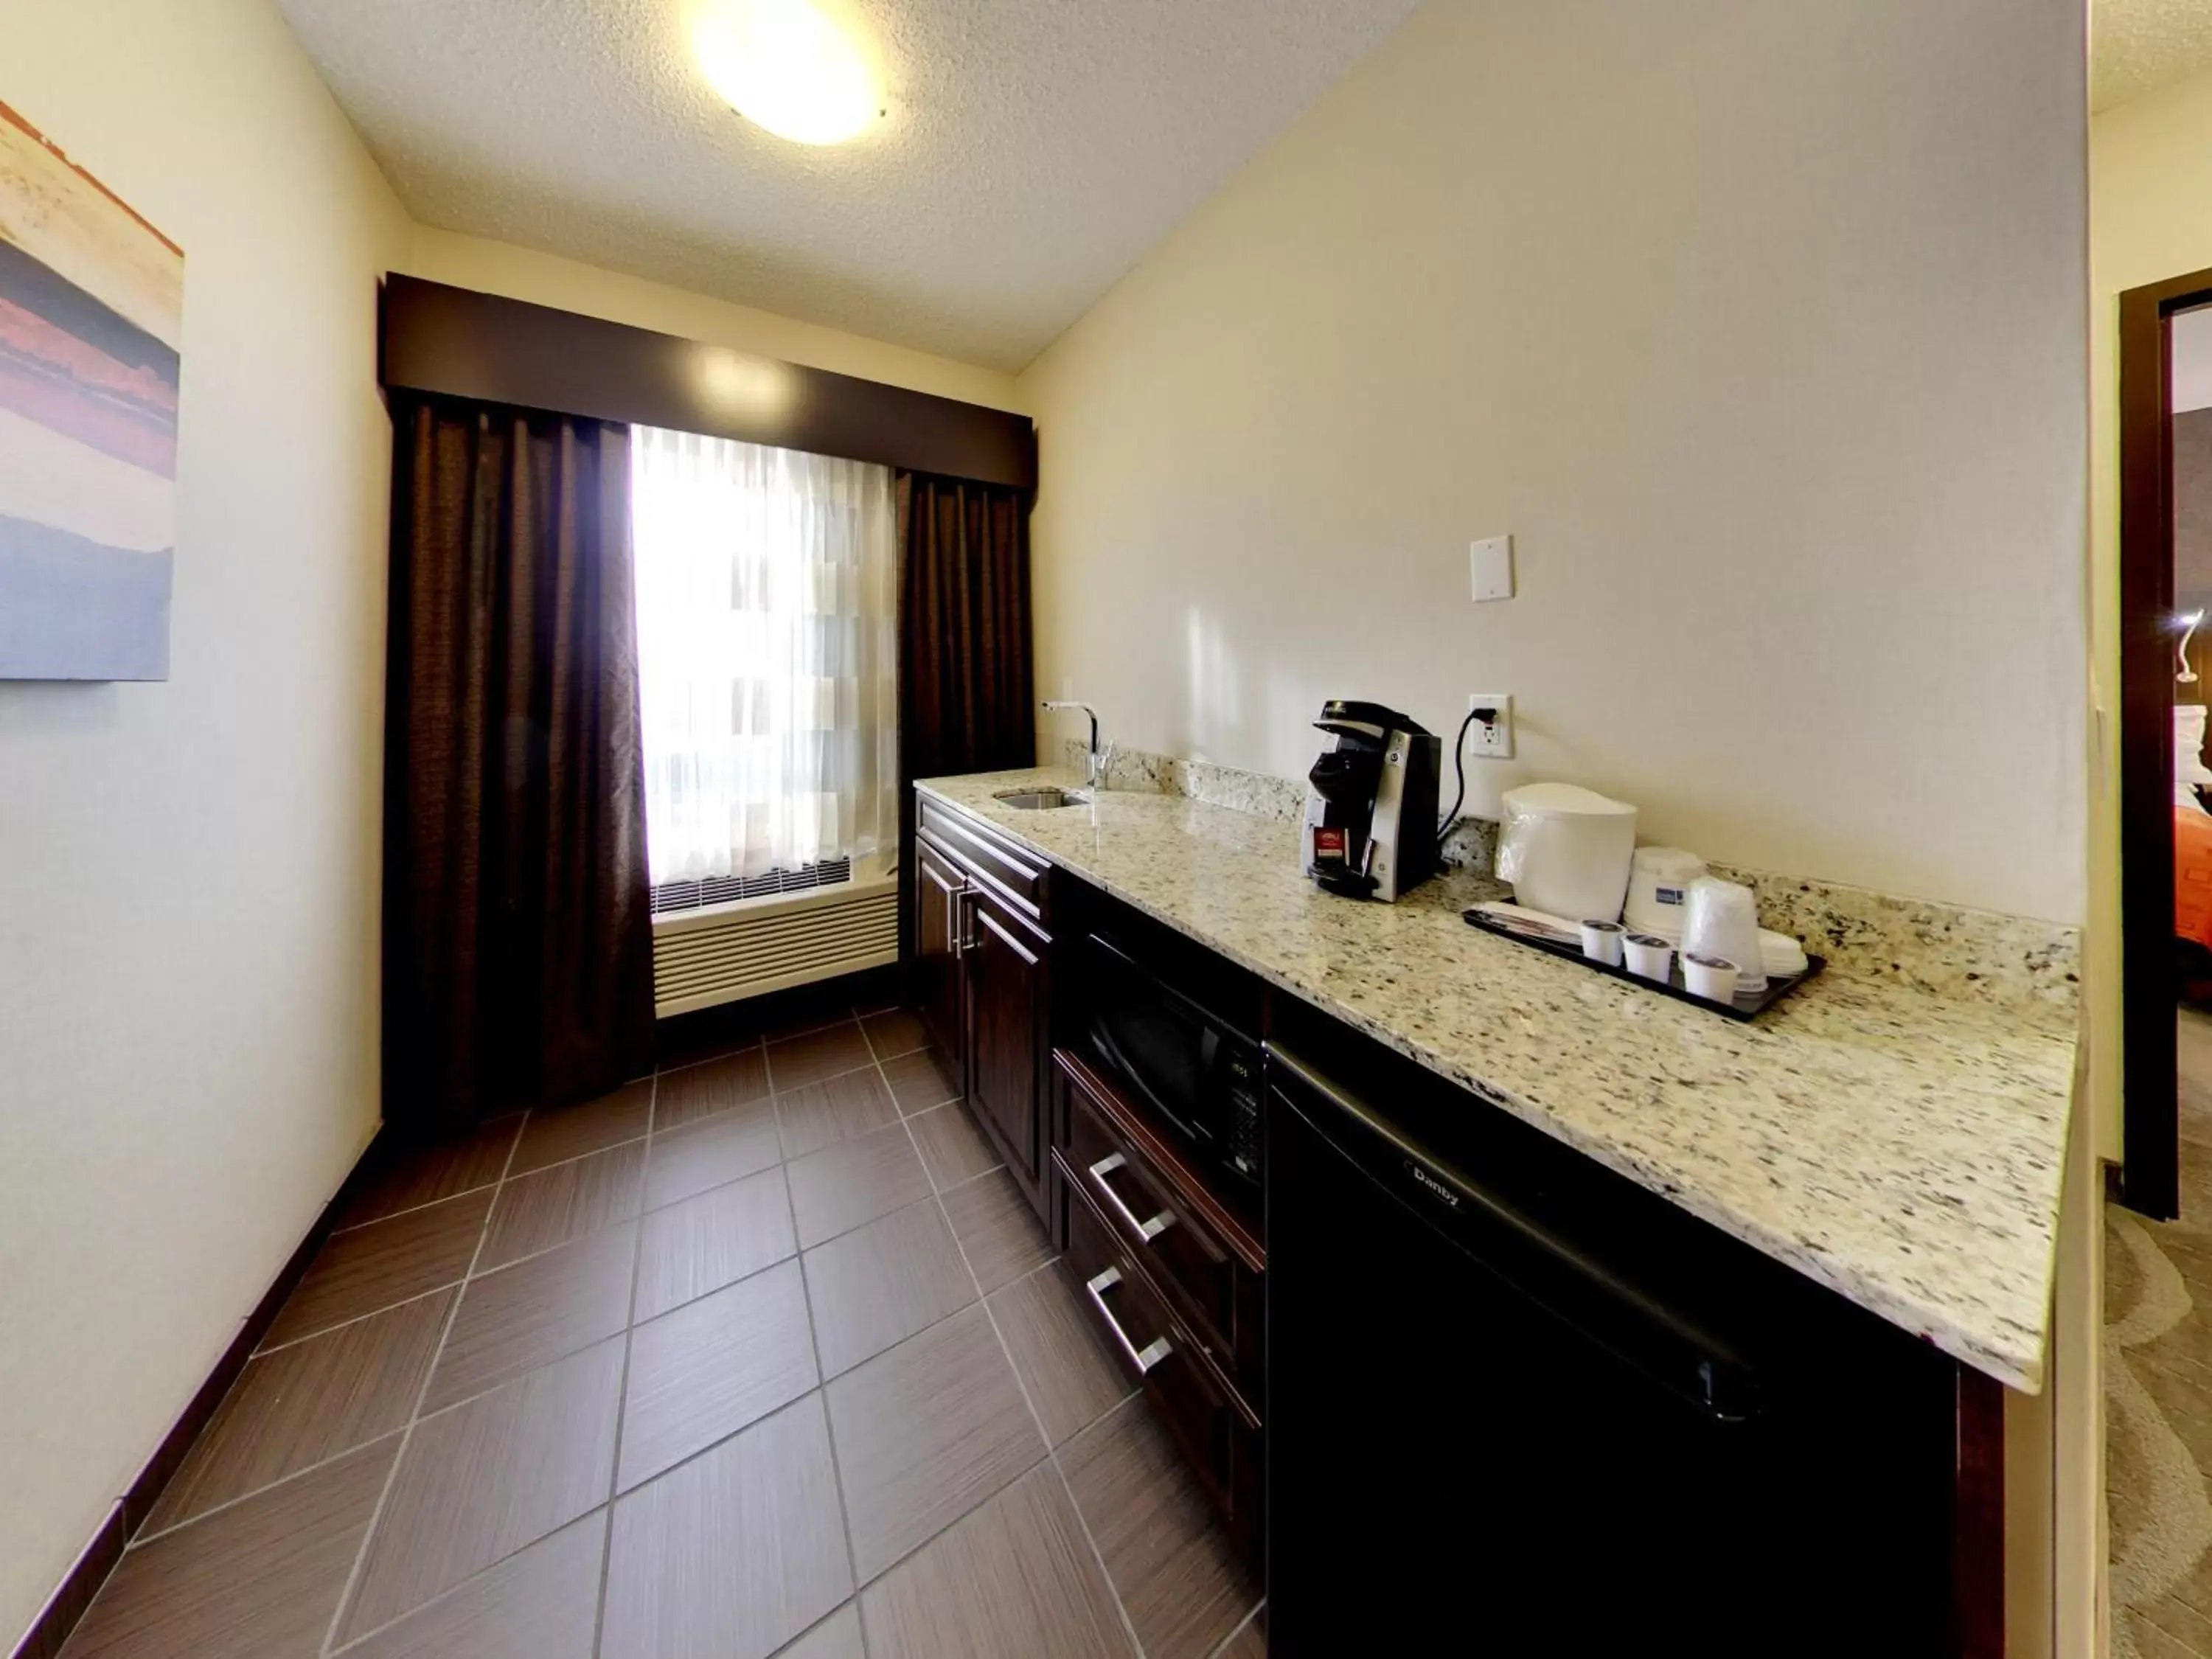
(789, 66)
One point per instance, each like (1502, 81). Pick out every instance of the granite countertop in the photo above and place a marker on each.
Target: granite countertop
(1905, 1149)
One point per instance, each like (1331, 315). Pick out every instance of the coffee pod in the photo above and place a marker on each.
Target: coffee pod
(1649, 956)
(1602, 942)
(1713, 978)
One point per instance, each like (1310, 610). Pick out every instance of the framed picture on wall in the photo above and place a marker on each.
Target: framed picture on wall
(91, 328)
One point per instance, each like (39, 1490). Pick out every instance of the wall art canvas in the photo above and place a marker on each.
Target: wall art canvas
(91, 325)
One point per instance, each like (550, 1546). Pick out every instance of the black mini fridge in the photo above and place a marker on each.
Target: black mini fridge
(1518, 1405)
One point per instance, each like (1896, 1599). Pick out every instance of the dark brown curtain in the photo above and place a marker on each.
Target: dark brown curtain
(517, 924)
(967, 681)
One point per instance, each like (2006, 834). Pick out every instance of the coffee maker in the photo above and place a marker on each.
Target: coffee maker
(1370, 828)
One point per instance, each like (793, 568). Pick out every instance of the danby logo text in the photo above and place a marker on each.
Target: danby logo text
(1432, 1183)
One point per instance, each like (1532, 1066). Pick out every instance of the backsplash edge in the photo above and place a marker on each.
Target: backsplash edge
(1945, 950)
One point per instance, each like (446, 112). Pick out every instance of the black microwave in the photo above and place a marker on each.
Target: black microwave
(1195, 1070)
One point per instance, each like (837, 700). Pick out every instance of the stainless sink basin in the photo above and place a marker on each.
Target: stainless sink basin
(1041, 800)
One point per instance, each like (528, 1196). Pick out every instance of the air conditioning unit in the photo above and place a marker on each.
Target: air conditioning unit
(723, 952)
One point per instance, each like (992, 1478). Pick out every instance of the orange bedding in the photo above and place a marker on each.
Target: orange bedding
(2192, 876)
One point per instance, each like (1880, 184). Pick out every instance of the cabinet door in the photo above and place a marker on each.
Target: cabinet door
(939, 914)
(1007, 1013)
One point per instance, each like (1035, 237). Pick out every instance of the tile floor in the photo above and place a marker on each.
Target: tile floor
(762, 1355)
(2158, 1394)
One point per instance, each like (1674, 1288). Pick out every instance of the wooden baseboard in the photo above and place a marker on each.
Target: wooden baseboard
(73, 1596)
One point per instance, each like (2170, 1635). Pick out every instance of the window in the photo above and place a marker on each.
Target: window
(766, 629)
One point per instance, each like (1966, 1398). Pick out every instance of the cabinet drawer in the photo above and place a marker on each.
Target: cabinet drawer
(1139, 1207)
(1217, 1435)
(1018, 872)
(1216, 1293)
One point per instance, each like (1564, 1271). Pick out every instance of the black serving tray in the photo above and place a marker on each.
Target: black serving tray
(1748, 1004)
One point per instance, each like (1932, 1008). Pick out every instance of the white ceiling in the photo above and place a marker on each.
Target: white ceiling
(1034, 150)
(2137, 47)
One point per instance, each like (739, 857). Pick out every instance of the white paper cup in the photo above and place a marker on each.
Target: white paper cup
(1649, 956)
(1721, 919)
(1602, 942)
(1710, 977)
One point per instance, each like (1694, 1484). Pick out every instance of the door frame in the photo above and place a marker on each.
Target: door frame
(2149, 1175)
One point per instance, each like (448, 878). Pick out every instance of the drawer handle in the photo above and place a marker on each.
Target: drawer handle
(1147, 1230)
(1143, 1359)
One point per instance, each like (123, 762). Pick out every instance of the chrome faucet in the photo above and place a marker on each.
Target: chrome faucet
(1099, 759)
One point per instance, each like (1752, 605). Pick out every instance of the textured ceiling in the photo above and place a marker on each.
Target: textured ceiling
(2137, 47)
(1034, 149)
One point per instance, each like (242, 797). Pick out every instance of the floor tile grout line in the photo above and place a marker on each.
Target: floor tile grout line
(497, 1181)
(358, 1319)
(701, 1296)
(1105, 1573)
(432, 1203)
(1045, 1438)
(689, 1458)
(622, 1390)
(415, 1415)
(821, 1385)
(852, 1602)
(1052, 1457)
(756, 1044)
(478, 1272)
(907, 1555)
(1242, 1624)
(871, 1064)
(1036, 1418)
(416, 1209)
(930, 1198)
(931, 1173)
(146, 1536)
(472, 1273)
(452, 1590)
(639, 1139)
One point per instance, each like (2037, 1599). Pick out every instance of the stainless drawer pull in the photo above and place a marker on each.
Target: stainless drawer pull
(1143, 1359)
(1147, 1230)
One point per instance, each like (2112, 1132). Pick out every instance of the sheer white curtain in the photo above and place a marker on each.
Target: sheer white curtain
(768, 642)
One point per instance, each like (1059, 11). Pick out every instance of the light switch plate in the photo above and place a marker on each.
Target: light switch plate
(1490, 740)
(1491, 561)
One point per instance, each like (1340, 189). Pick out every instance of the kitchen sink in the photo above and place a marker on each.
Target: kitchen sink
(1041, 800)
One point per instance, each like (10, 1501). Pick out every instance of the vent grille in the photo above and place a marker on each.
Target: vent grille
(709, 956)
(672, 897)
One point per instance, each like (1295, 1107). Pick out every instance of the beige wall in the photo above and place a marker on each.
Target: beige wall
(2150, 217)
(520, 273)
(1759, 326)
(188, 870)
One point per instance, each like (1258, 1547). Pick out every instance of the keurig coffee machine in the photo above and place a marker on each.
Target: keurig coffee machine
(1370, 829)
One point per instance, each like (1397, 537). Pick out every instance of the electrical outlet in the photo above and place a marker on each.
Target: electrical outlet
(1490, 740)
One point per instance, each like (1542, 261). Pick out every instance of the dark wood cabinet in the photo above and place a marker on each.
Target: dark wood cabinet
(1204, 1258)
(1217, 1432)
(980, 980)
(939, 992)
(1172, 1258)
(1009, 1023)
